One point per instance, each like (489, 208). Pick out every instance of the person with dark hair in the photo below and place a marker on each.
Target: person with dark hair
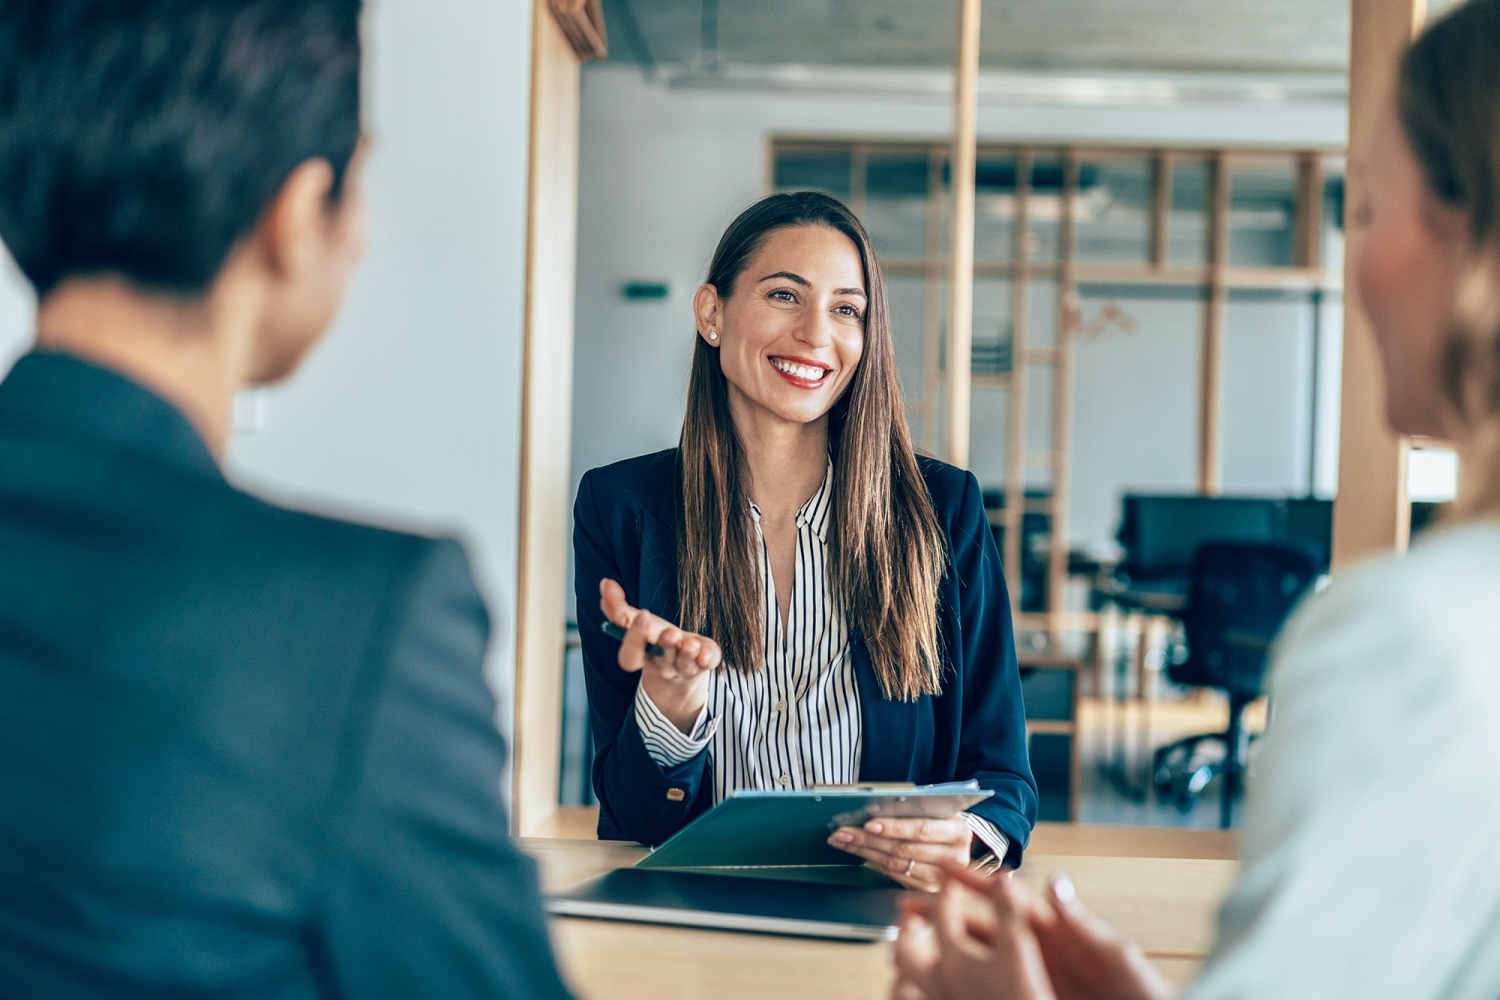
(244, 750)
(830, 606)
(1369, 864)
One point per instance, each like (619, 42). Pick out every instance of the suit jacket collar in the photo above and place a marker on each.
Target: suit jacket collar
(658, 569)
(63, 394)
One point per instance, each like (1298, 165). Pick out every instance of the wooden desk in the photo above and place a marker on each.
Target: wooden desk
(1166, 904)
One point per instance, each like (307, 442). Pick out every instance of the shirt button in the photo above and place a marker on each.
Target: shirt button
(781, 706)
(782, 779)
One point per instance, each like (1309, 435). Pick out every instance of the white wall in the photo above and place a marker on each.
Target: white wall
(664, 170)
(409, 413)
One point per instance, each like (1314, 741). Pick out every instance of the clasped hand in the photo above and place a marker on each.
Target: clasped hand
(992, 937)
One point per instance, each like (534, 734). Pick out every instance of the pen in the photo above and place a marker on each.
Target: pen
(616, 632)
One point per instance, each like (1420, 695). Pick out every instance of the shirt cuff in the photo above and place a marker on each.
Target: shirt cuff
(990, 836)
(668, 745)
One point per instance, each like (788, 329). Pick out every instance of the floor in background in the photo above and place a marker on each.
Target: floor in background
(1099, 801)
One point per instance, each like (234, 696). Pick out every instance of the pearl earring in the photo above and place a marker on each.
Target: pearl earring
(713, 335)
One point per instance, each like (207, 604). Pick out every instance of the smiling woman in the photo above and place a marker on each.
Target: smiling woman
(798, 570)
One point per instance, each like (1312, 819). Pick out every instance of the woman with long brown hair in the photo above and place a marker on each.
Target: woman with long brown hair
(1369, 865)
(829, 607)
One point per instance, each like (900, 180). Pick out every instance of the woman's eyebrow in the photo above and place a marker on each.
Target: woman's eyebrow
(793, 276)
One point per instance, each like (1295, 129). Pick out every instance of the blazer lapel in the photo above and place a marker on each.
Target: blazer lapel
(658, 570)
(891, 728)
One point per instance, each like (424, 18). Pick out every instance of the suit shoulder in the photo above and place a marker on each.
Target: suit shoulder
(946, 483)
(640, 469)
(337, 553)
(642, 482)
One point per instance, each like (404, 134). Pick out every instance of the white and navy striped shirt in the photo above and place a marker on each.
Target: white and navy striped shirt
(796, 722)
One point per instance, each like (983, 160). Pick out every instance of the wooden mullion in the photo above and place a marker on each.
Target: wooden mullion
(1371, 512)
(961, 235)
(1161, 210)
(1309, 210)
(1015, 447)
(859, 168)
(932, 303)
(1211, 361)
(1062, 398)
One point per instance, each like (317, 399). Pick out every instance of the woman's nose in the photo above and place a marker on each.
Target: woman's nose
(816, 330)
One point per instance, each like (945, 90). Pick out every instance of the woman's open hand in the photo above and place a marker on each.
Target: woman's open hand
(677, 680)
(911, 851)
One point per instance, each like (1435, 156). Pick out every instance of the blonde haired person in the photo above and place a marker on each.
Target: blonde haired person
(1370, 866)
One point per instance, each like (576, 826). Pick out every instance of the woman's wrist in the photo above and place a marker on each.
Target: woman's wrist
(680, 703)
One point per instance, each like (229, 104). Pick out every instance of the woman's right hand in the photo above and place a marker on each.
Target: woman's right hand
(677, 680)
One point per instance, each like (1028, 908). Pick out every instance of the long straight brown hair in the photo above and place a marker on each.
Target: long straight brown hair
(1448, 99)
(887, 553)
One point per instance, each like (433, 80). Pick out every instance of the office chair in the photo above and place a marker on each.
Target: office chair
(1239, 596)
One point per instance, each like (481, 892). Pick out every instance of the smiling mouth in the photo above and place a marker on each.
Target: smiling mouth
(801, 373)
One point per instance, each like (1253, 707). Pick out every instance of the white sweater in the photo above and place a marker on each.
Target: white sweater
(1372, 846)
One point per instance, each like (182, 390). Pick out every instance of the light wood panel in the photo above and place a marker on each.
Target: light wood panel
(961, 230)
(1371, 514)
(546, 421)
(1166, 905)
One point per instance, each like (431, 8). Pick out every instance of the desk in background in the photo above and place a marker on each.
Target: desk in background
(1167, 904)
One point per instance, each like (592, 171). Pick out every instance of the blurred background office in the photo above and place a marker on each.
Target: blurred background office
(1157, 314)
(1158, 354)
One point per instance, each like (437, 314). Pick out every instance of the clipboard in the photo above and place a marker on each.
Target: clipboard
(777, 831)
(760, 861)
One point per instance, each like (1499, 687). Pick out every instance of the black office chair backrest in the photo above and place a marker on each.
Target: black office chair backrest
(1240, 595)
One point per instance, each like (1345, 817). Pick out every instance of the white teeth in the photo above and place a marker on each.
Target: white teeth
(800, 371)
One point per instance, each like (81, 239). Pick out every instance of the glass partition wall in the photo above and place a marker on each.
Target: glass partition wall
(1166, 265)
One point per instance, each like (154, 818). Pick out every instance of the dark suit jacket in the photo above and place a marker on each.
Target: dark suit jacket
(624, 529)
(244, 751)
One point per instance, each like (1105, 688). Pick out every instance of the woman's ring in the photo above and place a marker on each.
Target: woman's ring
(910, 864)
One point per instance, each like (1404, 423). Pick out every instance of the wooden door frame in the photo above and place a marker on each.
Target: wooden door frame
(1371, 511)
(564, 33)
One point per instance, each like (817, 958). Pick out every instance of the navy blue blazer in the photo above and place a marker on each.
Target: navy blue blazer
(624, 529)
